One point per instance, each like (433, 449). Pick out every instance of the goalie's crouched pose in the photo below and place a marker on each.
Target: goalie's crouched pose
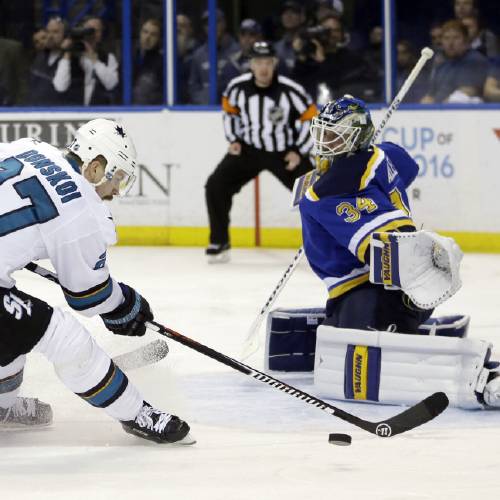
(383, 276)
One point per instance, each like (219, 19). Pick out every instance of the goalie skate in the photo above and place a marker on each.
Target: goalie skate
(26, 413)
(158, 426)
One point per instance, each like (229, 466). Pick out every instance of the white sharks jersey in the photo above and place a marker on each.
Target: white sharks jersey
(48, 210)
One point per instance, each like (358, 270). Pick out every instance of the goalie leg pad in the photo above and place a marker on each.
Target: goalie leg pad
(291, 339)
(446, 326)
(392, 368)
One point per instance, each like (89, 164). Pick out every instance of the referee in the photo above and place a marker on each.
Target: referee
(266, 122)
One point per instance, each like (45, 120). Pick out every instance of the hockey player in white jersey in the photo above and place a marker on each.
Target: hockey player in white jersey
(51, 207)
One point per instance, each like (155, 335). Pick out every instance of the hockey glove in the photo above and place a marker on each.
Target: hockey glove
(425, 265)
(129, 317)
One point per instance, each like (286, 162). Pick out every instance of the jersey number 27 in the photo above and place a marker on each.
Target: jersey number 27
(41, 209)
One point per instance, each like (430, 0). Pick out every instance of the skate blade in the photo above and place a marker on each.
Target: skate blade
(10, 427)
(221, 258)
(186, 440)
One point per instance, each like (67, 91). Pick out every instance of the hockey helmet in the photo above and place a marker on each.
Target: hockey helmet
(107, 138)
(342, 126)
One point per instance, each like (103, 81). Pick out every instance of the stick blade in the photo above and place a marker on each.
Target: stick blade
(142, 356)
(417, 415)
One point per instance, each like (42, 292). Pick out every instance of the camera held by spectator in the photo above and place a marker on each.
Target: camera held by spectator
(78, 36)
(311, 37)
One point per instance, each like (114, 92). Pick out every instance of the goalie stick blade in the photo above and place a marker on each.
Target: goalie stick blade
(413, 417)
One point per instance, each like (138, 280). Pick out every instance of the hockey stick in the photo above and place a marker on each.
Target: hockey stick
(422, 412)
(149, 353)
(145, 355)
(252, 341)
(414, 416)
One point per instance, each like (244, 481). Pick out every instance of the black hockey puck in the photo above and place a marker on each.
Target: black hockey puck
(340, 439)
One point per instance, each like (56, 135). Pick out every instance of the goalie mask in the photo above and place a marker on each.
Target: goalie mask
(107, 138)
(342, 126)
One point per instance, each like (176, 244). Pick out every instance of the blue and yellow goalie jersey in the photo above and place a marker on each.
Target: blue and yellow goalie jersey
(358, 195)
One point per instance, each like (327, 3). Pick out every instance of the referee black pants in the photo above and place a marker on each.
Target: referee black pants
(232, 173)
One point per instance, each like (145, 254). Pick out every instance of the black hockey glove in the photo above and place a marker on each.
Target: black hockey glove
(129, 317)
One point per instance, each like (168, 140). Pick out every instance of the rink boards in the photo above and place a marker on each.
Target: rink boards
(455, 193)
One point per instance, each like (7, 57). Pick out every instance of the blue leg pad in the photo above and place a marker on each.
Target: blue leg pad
(291, 339)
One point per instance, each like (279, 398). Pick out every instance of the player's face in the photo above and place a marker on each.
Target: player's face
(263, 70)
(328, 138)
(113, 187)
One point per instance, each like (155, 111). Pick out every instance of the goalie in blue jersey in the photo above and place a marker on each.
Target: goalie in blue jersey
(384, 278)
(361, 190)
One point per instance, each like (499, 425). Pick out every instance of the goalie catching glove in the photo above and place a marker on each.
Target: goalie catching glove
(423, 264)
(130, 316)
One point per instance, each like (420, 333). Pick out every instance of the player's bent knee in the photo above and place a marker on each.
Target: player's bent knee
(65, 340)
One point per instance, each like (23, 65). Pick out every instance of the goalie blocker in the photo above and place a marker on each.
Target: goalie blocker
(384, 367)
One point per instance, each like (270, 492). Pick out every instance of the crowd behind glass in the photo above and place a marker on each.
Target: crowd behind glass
(317, 44)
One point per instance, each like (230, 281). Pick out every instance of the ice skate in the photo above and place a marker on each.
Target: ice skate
(26, 413)
(218, 253)
(158, 426)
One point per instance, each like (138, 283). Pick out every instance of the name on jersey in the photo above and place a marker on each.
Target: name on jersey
(65, 187)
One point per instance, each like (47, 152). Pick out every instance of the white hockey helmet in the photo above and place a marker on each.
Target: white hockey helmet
(107, 138)
(342, 126)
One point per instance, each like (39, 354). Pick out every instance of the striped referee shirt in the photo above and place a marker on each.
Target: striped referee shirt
(274, 118)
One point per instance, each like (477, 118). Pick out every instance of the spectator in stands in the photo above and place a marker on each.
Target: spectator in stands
(353, 39)
(148, 65)
(325, 7)
(43, 68)
(464, 8)
(186, 45)
(324, 61)
(461, 76)
(492, 84)
(39, 40)
(374, 52)
(292, 21)
(239, 62)
(481, 39)
(436, 33)
(406, 59)
(87, 74)
(12, 72)
(199, 75)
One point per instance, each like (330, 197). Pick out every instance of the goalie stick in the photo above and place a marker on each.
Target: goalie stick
(412, 417)
(252, 341)
(145, 355)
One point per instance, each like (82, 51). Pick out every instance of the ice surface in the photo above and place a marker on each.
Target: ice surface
(254, 442)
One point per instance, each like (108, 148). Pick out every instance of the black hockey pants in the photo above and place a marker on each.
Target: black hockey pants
(232, 173)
